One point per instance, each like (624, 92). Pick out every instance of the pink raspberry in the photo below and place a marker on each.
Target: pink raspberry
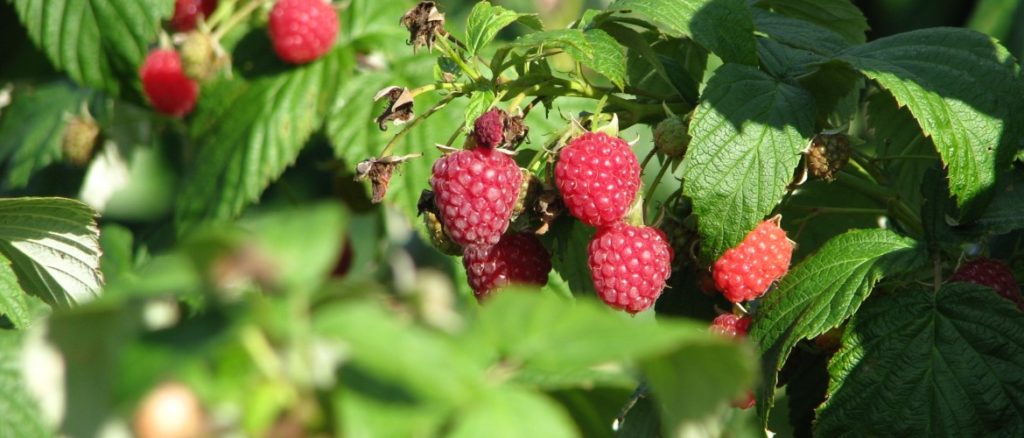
(165, 84)
(746, 271)
(992, 273)
(598, 177)
(519, 258)
(489, 129)
(475, 191)
(731, 325)
(302, 30)
(629, 265)
(187, 12)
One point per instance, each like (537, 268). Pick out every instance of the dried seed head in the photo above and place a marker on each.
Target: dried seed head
(828, 154)
(379, 171)
(423, 21)
(399, 108)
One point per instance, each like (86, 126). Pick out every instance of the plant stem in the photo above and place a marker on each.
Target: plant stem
(897, 208)
(394, 140)
(242, 14)
(442, 42)
(654, 184)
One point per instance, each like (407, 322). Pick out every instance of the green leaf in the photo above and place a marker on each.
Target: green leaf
(920, 363)
(248, 133)
(31, 128)
(799, 34)
(22, 416)
(12, 299)
(963, 89)
(896, 134)
(569, 255)
(483, 25)
(99, 43)
(1004, 213)
(839, 16)
(725, 27)
(118, 259)
(608, 57)
(573, 41)
(53, 247)
(510, 412)
(479, 103)
(823, 291)
(747, 136)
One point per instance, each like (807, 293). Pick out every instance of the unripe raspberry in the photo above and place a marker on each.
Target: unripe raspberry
(992, 273)
(629, 265)
(827, 155)
(438, 238)
(475, 191)
(199, 56)
(81, 134)
(731, 325)
(302, 30)
(598, 177)
(746, 271)
(519, 258)
(671, 138)
(489, 129)
(187, 12)
(165, 84)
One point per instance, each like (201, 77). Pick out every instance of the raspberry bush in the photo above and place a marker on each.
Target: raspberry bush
(367, 218)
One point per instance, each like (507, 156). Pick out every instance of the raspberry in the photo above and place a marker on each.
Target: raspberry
(199, 57)
(302, 30)
(475, 191)
(992, 273)
(518, 258)
(731, 325)
(629, 265)
(671, 138)
(165, 83)
(187, 12)
(746, 402)
(827, 155)
(598, 177)
(489, 129)
(745, 271)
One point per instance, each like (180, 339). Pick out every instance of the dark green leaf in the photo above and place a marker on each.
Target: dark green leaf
(920, 363)
(839, 16)
(724, 27)
(747, 136)
(905, 152)
(99, 43)
(569, 255)
(822, 292)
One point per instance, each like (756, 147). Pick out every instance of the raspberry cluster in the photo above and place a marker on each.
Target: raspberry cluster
(629, 265)
(746, 271)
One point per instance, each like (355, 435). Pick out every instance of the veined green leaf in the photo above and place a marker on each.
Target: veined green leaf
(724, 27)
(483, 24)
(53, 247)
(12, 299)
(920, 363)
(822, 292)
(839, 16)
(963, 89)
(747, 136)
(99, 43)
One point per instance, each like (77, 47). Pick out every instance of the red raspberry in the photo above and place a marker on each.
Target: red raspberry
(748, 401)
(629, 265)
(165, 83)
(731, 325)
(518, 258)
(745, 272)
(598, 177)
(187, 12)
(489, 129)
(475, 191)
(992, 273)
(302, 30)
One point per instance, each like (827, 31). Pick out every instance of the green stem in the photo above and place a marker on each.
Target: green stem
(242, 14)
(897, 208)
(442, 42)
(416, 121)
(654, 184)
(647, 159)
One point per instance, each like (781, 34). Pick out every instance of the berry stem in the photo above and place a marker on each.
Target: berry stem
(643, 164)
(415, 121)
(442, 42)
(237, 17)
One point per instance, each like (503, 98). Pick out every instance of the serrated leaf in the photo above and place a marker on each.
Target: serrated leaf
(608, 58)
(32, 126)
(12, 299)
(962, 88)
(573, 41)
(747, 136)
(99, 43)
(822, 292)
(483, 24)
(1004, 213)
(896, 135)
(840, 16)
(920, 363)
(799, 34)
(725, 27)
(53, 246)
(479, 103)
(248, 133)
(22, 416)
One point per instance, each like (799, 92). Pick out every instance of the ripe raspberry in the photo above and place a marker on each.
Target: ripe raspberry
(827, 155)
(475, 191)
(302, 30)
(165, 83)
(671, 138)
(518, 258)
(629, 265)
(745, 271)
(598, 177)
(992, 273)
(489, 129)
(187, 12)
(731, 325)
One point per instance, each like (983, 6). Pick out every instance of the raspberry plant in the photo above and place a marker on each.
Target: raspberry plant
(275, 217)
